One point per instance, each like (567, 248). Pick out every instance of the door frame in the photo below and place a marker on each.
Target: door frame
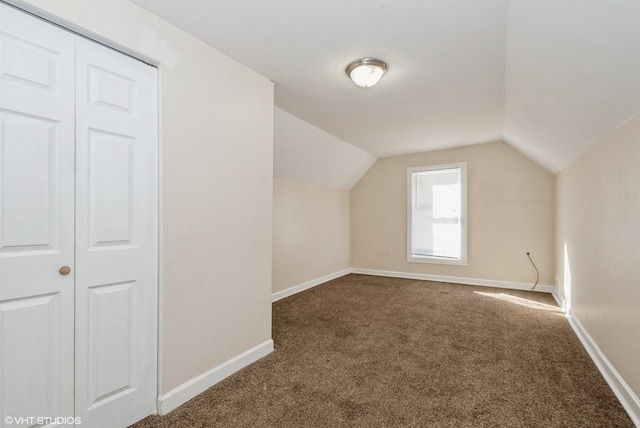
(73, 28)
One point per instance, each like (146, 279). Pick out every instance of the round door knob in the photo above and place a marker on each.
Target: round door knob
(65, 270)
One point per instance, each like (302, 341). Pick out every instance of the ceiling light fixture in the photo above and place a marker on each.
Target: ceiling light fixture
(366, 72)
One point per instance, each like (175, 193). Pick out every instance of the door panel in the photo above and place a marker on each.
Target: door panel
(111, 90)
(28, 64)
(116, 237)
(29, 365)
(30, 162)
(36, 217)
(111, 338)
(111, 189)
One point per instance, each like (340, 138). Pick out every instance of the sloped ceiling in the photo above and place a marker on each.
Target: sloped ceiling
(552, 78)
(307, 154)
(572, 75)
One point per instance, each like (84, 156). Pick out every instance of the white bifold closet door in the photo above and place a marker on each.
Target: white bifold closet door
(78, 190)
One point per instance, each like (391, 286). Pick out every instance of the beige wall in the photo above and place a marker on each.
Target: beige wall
(510, 207)
(598, 214)
(311, 232)
(216, 122)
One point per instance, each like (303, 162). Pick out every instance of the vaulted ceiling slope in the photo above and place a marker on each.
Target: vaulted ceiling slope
(550, 77)
(302, 152)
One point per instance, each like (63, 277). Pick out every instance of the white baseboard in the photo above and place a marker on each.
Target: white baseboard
(309, 284)
(421, 276)
(620, 388)
(625, 395)
(559, 300)
(455, 279)
(199, 384)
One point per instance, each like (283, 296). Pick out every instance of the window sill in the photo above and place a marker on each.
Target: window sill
(436, 260)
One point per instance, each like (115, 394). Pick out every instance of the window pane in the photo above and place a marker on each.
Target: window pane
(446, 201)
(446, 240)
(436, 209)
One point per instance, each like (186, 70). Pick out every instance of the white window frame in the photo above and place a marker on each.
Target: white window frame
(414, 258)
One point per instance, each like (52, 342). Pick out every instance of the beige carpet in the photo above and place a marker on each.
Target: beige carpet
(363, 351)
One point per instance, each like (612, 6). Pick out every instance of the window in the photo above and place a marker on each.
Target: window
(437, 214)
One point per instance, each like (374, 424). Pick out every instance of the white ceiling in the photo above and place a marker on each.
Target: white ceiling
(549, 77)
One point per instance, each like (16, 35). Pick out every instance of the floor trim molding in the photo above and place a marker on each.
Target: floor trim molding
(309, 284)
(421, 276)
(625, 395)
(199, 384)
(559, 300)
(455, 279)
(620, 388)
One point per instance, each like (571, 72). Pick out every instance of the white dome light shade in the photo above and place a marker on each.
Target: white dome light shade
(366, 72)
